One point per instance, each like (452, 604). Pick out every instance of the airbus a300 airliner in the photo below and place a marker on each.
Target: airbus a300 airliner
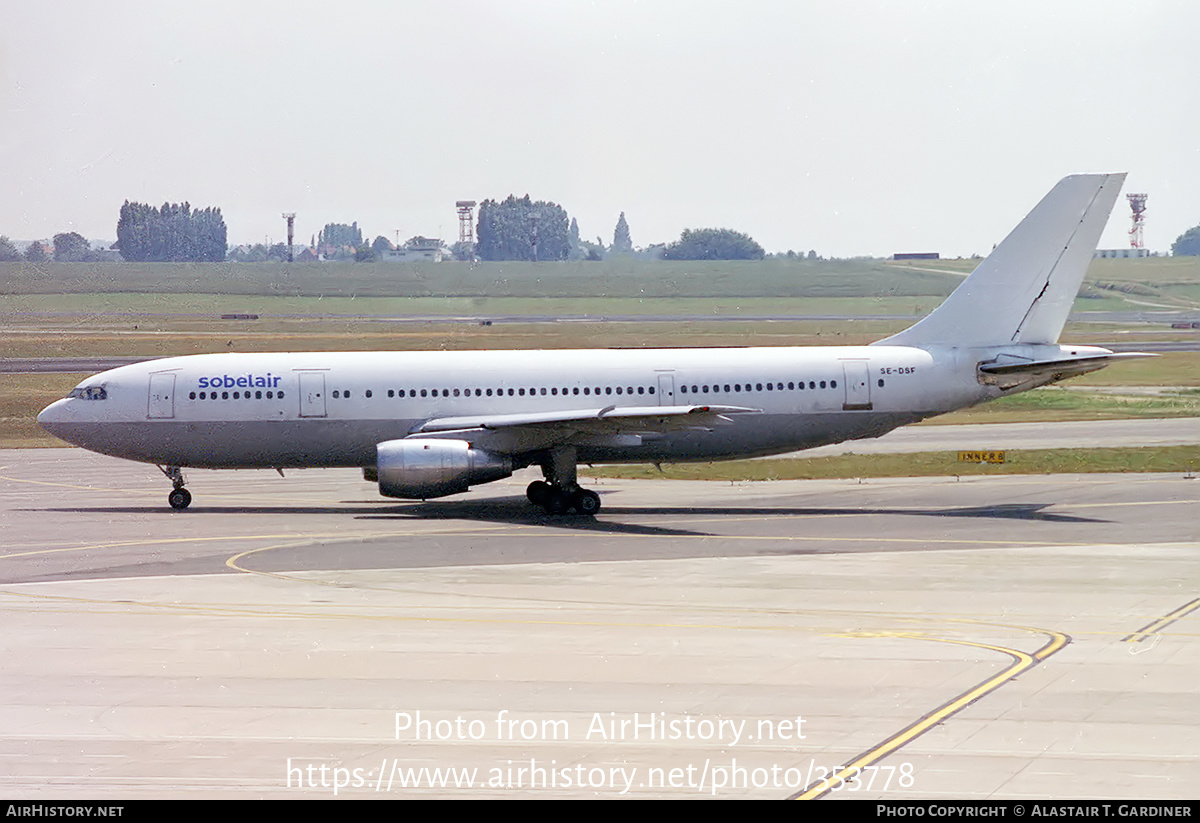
(429, 424)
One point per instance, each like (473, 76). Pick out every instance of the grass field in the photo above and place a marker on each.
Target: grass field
(1183, 459)
(618, 278)
(613, 278)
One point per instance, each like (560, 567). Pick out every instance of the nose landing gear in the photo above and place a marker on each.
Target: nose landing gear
(179, 498)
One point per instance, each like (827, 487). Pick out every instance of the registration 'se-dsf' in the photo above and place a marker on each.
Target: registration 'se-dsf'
(428, 424)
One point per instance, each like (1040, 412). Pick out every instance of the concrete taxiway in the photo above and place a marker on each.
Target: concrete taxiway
(1031, 637)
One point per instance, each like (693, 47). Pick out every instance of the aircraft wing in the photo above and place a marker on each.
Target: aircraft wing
(610, 425)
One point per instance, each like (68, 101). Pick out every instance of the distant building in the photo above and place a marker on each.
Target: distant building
(917, 255)
(108, 254)
(426, 249)
(1122, 253)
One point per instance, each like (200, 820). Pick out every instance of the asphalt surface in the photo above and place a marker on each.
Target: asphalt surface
(301, 637)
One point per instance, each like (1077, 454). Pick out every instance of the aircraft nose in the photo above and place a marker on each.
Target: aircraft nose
(50, 416)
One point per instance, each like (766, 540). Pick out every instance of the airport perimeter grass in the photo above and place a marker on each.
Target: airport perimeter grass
(1181, 459)
(1170, 279)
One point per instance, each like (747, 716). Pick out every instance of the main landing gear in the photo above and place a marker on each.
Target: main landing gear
(559, 492)
(179, 498)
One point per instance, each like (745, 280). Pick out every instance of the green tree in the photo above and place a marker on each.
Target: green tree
(1187, 243)
(8, 252)
(381, 244)
(173, 233)
(36, 252)
(713, 244)
(71, 246)
(507, 230)
(340, 235)
(622, 242)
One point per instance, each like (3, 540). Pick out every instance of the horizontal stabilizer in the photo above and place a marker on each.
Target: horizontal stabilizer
(1008, 374)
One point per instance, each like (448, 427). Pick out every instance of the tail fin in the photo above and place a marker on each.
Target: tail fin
(1024, 289)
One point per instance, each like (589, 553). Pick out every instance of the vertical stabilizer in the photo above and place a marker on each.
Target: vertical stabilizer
(1023, 290)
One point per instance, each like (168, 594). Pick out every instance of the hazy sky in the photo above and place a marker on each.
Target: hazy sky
(846, 127)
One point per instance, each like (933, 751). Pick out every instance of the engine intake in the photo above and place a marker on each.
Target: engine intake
(423, 469)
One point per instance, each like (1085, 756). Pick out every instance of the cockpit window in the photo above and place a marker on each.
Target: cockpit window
(89, 393)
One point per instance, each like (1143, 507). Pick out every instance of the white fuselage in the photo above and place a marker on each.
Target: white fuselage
(332, 409)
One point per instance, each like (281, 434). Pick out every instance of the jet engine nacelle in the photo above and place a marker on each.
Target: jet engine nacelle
(423, 469)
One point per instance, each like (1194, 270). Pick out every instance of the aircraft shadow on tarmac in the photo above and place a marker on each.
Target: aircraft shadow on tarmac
(516, 511)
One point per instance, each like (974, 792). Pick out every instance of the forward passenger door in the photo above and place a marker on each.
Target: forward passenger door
(161, 404)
